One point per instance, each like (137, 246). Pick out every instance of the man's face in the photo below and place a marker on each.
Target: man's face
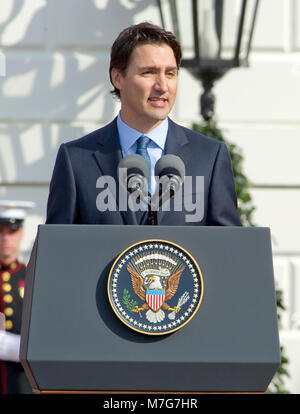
(9, 243)
(148, 87)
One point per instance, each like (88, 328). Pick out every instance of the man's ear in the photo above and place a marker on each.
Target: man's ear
(116, 78)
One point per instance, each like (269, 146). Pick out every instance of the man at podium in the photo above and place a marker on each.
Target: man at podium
(148, 280)
(84, 188)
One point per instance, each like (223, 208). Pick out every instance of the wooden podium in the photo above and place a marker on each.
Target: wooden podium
(72, 341)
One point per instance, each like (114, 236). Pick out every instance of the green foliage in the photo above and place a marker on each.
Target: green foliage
(246, 209)
(242, 185)
(130, 304)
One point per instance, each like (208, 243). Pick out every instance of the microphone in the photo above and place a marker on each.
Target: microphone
(133, 173)
(170, 170)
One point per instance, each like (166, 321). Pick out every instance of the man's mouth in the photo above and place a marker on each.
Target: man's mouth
(157, 100)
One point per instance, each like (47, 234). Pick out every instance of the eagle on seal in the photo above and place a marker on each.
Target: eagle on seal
(164, 288)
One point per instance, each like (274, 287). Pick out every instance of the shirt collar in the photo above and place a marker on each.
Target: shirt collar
(128, 136)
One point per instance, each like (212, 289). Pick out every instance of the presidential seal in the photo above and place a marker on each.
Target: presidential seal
(155, 287)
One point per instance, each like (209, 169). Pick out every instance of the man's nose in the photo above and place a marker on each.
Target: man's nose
(161, 84)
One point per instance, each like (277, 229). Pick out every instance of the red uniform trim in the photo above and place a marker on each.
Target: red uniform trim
(2, 363)
(7, 267)
(3, 377)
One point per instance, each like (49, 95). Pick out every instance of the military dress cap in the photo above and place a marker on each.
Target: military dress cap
(13, 213)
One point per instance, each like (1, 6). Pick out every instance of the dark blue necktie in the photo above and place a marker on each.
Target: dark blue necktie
(142, 144)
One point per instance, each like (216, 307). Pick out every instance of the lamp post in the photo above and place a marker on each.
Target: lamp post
(215, 35)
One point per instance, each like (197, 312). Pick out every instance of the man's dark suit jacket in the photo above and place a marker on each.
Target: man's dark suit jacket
(79, 164)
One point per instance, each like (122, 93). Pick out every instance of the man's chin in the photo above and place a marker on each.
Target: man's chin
(5, 257)
(158, 115)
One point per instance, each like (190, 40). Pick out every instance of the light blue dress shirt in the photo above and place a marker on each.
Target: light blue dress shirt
(156, 148)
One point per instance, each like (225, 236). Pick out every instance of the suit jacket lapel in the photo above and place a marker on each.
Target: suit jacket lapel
(108, 157)
(177, 141)
(177, 144)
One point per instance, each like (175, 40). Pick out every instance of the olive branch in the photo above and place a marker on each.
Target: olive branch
(130, 304)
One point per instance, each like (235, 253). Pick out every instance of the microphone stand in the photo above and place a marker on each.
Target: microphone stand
(152, 214)
(161, 196)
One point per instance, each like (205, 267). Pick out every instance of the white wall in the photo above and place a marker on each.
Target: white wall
(56, 89)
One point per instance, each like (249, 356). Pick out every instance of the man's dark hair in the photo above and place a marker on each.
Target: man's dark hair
(137, 35)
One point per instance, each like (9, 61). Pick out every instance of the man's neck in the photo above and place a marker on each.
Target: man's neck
(144, 126)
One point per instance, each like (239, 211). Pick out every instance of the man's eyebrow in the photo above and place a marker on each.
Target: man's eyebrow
(158, 67)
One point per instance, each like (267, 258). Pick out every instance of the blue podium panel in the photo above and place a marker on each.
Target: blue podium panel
(72, 338)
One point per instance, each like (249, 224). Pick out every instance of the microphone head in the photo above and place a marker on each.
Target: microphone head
(135, 166)
(170, 165)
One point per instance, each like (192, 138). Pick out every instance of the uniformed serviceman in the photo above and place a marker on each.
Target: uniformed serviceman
(12, 282)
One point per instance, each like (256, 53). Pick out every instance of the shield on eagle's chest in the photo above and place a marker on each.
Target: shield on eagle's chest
(155, 298)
